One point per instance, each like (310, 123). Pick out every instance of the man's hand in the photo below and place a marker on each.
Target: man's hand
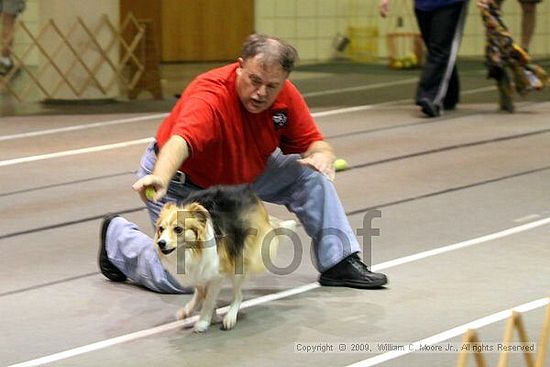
(320, 157)
(320, 162)
(384, 8)
(153, 181)
(170, 158)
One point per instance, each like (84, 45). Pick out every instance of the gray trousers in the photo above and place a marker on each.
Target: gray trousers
(304, 191)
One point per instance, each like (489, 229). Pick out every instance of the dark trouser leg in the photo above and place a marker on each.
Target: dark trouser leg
(442, 32)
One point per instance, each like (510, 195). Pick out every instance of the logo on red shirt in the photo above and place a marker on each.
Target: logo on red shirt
(279, 119)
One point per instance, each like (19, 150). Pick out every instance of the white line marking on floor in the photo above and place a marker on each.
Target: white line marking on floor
(159, 329)
(163, 115)
(528, 218)
(82, 127)
(478, 90)
(460, 245)
(272, 297)
(451, 333)
(359, 88)
(343, 110)
(66, 153)
(121, 145)
(124, 144)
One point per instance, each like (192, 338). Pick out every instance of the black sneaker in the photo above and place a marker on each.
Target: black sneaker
(352, 272)
(429, 108)
(105, 265)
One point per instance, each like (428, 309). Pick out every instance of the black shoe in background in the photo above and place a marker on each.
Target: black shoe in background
(352, 272)
(105, 265)
(429, 108)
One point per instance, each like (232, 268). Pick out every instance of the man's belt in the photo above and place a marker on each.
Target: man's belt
(179, 176)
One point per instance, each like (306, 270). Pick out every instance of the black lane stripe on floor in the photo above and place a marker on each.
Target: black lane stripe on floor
(357, 211)
(450, 147)
(449, 190)
(382, 161)
(336, 136)
(67, 183)
(449, 117)
(44, 285)
(69, 223)
(354, 212)
(426, 121)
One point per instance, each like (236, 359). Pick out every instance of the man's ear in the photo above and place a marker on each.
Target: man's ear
(241, 65)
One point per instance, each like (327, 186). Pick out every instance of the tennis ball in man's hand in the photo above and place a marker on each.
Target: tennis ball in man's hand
(340, 164)
(150, 193)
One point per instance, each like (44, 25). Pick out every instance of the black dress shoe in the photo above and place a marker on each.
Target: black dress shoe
(429, 108)
(105, 265)
(352, 272)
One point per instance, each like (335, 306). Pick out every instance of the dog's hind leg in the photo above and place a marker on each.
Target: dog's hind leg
(230, 319)
(209, 305)
(192, 305)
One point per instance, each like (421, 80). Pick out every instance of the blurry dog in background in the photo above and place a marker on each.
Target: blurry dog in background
(220, 232)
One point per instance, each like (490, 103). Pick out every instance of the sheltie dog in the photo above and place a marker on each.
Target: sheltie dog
(220, 232)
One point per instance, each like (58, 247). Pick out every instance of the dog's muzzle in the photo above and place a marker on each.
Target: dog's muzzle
(162, 246)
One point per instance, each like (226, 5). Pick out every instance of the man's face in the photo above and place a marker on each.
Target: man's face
(258, 84)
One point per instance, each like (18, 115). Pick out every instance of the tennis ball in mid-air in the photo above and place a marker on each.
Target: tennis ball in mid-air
(340, 164)
(150, 193)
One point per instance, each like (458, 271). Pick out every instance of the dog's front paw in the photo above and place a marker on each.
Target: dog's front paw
(182, 313)
(201, 326)
(229, 321)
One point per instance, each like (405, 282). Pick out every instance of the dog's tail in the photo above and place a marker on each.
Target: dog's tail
(260, 255)
(286, 227)
(289, 224)
(261, 249)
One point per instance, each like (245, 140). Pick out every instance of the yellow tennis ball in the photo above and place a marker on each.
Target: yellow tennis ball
(150, 193)
(397, 64)
(340, 164)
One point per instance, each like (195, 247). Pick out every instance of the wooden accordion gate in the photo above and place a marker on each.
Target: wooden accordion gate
(105, 58)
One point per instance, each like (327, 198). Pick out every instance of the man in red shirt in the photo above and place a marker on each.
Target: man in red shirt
(241, 123)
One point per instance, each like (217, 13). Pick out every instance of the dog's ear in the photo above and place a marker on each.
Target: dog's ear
(165, 209)
(194, 218)
(197, 211)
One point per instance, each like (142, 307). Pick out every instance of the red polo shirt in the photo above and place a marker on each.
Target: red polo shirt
(228, 144)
